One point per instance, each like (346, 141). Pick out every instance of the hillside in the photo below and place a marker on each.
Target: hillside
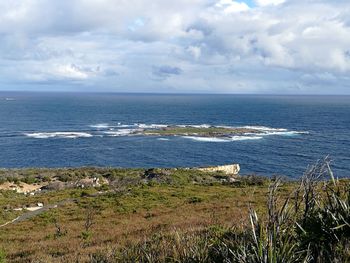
(155, 215)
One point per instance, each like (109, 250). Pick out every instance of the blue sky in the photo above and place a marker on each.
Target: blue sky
(184, 46)
(250, 3)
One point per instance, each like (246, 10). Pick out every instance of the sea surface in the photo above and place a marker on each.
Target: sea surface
(87, 129)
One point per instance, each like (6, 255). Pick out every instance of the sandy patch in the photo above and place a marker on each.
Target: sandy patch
(21, 187)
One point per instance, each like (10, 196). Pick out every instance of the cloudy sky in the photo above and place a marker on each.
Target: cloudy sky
(186, 46)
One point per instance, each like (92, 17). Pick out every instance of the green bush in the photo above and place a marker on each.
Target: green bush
(194, 199)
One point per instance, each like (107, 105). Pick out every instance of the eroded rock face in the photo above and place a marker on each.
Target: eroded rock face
(232, 169)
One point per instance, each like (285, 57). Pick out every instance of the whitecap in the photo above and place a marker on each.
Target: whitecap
(150, 126)
(67, 135)
(263, 128)
(205, 139)
(285, 133)
(162, 139)
(244, 138)
(201, 126)
(100, 126)
(226, 139)
(120, 132)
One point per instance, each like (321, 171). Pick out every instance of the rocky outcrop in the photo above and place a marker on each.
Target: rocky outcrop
(231, 169)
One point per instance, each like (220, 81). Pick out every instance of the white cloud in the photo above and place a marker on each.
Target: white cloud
(70, 71)
(230, 6)
(195, 51)
(269, 2)
(198, 45)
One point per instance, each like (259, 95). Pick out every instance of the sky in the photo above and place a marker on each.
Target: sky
(182, 46)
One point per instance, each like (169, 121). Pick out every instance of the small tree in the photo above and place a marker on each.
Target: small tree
(90, 213)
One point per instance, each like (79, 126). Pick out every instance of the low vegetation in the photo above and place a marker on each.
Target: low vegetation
(198, 131)
(182, 215)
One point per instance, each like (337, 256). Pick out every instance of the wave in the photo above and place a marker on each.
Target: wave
(264, 128)
(227, 139)
(266, 131)
(120, 125)
(285, 133)
(244, 138)
(151, 126)
(120, 132)
(205, 139)
(66, 135)
(100, 126)
(163, 139)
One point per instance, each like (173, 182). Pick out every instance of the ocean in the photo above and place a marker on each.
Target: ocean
(88, 129)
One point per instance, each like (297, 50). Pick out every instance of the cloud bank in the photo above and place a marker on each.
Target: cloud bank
(211, 46)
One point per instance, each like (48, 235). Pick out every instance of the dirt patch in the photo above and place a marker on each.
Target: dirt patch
(21, 187)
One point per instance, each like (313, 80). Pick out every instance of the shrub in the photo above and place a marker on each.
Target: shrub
(194, 199)
(2, 256)
(311, 225)
(325, 222)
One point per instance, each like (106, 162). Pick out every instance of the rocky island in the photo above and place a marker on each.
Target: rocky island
(200, 131)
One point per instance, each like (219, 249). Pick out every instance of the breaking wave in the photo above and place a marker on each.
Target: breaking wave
(120, 132)
(100, 126)
(285, 133)
(67, 135)
(205, 139)
(228, 139)
(264, 128)
(244, 138)
(150, 126)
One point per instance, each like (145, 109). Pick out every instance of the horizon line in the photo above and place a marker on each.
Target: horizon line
(171, 93)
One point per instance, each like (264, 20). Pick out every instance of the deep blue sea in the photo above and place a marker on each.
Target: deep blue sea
(71, 129)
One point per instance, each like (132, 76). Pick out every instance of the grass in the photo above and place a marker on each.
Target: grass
(184, 215)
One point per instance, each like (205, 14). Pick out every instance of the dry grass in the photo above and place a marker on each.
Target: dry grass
(125, 217)
(178, 216)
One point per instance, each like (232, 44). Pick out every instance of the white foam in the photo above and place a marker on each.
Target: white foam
(150, 126)
(264, 128)
(267, 131)
(284, 133)
(244, 138)
(100, 126)
(206, 139)
(121, 132)
(163, 139)
(201, 126)
(228, 139)
(67, 135)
